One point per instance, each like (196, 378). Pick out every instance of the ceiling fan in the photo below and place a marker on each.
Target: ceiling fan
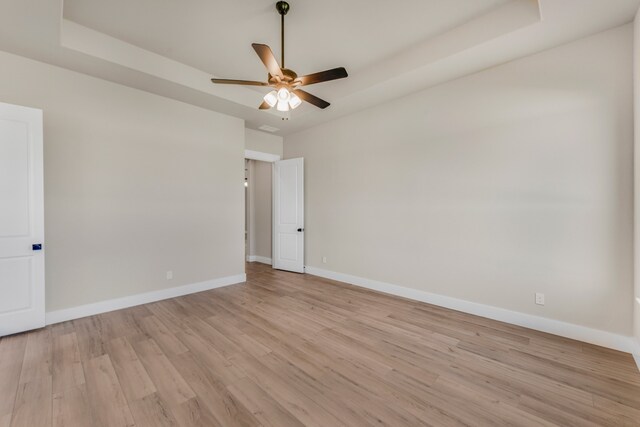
(287, 94)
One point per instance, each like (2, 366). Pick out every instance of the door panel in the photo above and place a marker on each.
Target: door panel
(15, 270)
(14, 178)
(288, 247)
(288, 215)
(21, 220)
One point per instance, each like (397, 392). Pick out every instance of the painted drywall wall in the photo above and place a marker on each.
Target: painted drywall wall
(135, 185)
(263, 142)
(511, 181)
(636, 97)
(260, 209)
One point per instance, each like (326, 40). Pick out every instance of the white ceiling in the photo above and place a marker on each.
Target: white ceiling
(173, 47)
(216, 36)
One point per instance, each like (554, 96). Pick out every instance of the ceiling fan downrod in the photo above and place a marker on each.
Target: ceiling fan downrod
(282, 7)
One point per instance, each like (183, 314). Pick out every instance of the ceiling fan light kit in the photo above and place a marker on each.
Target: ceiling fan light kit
(286, 94)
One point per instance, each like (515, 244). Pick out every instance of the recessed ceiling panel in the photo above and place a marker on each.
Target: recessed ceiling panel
(216, 36)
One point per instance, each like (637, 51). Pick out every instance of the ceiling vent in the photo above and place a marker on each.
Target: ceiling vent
(268, 128)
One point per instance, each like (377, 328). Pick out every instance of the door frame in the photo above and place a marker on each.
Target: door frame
(269, 158)
(263, 157)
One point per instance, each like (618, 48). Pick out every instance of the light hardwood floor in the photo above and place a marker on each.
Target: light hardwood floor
(292, 350)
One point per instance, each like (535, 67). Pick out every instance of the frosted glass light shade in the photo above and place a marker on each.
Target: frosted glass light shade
(283, 95)
(283, 105)
(271, 98)
(282, 99)
(294, 101)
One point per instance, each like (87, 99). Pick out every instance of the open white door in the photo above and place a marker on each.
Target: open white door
(21, 220)
(288, 215)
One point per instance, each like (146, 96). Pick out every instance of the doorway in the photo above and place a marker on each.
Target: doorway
(274, 211)
(258, 211)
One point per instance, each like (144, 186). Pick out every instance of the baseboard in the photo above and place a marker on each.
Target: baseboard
(145, 298)
(260, 259)
(543, 324)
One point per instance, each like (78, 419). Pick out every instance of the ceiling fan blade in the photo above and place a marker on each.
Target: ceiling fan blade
(268, 59)
(239, 82)
(323, 76)
(264, 106)
(311, 99)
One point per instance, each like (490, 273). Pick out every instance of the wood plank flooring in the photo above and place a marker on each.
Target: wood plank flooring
(297, 350)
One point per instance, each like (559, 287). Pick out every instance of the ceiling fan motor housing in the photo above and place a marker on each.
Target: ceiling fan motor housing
(289, 79)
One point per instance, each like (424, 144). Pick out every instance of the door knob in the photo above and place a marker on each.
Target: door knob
(36, 246)
(300, 230)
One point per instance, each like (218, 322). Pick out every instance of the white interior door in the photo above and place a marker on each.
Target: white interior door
(21, 220)
(288, 215)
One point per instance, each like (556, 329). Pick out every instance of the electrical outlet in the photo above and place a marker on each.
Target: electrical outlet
(539, 298)
(169, 275)
(324, 259)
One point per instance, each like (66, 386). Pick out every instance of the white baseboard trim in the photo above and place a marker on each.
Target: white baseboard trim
(260, 259)
(145, 298)
(581, 333)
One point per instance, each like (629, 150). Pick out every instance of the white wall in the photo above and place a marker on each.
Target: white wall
(260, 209)
(489, 188)
(135, 185)
(263, 142)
